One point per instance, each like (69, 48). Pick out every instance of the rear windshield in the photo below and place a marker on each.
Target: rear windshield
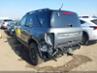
(64, 19)
(94, 21)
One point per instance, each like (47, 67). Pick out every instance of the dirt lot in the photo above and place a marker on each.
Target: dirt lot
(13, 57)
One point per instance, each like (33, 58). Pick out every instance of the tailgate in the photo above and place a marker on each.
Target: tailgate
(67, 36)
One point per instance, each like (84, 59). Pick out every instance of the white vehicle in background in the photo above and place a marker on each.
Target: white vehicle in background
(1, 23)
(89, 26)
(5, 23)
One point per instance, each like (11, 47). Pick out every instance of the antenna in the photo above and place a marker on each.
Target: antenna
(61, 5)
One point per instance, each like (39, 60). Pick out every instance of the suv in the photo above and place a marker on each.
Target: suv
(48, 33)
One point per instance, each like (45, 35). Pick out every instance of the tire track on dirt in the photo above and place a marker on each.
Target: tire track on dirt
(75, 62)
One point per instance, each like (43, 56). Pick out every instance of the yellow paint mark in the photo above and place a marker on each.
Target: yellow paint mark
(18, 32)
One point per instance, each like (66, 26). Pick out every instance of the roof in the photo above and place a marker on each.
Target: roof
(45, 9)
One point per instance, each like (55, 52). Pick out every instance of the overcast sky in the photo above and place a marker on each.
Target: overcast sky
(17, 8)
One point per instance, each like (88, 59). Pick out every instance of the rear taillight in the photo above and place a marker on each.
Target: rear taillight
(94, 27)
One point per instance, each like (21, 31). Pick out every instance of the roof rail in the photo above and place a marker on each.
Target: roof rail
(39, 10)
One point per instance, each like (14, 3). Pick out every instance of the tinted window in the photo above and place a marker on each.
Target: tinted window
(82, 22)
(44, 18)
(94, 21)
(64, 19)
(32, 21)
(23, 20)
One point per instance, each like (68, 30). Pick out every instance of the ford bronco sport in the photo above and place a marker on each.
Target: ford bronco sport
(48, 33)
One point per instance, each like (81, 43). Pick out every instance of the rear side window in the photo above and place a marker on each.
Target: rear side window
(94, 21)
(82, 22)
(64, 19)
(39, 19)
(32, 21)
(44, 18)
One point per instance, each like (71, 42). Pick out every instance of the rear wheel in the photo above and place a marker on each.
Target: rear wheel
(85, 39)
(34, 54)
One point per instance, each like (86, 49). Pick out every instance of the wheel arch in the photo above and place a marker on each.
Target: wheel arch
(86, 33)
(38, 45)
(33, 40)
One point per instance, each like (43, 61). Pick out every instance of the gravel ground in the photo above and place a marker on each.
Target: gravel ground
(13, 58)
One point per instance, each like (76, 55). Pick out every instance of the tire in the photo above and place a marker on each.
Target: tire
(33, 54)
(85, 39)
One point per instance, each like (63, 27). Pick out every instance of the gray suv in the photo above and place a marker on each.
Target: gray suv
(48, 33)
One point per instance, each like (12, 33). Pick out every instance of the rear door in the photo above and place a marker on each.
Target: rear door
(30, 27)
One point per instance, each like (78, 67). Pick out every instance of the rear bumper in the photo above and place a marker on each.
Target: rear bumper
(68, 44)
(74, 45)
